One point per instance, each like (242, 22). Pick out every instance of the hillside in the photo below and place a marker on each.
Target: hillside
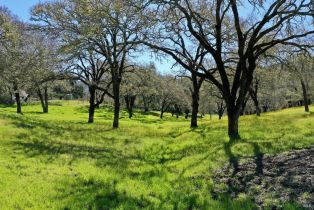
(58, 161)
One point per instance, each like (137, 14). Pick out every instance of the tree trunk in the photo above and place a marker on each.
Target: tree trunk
(244, 106)
(306, 101)
(41, 98)
(220, 109)
(116, 95)
(17, 99)
(253, 94)
(91, 111)
(130, 100)
(257, 108)
(195, 98)
(233, 123)
(161, 114)
(146, 104)
(195, 105)
(46, 100)
(220, 116)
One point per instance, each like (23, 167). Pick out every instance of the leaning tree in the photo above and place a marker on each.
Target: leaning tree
(236, 34)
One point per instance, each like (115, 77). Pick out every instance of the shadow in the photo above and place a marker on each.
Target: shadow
(53, 150)
(286, 177)
(308, 114)
(234, 160)
(57, 127)
(94, 194)
(258, 158)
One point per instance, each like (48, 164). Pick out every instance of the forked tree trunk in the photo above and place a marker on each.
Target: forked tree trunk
(306, 101)
(91, 111)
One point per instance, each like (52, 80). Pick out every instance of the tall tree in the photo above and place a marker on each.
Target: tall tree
(299, 64)
(16, 53)
(45, 69)
(111, 28)
(235, 34)
(172, 38)
(91, 69)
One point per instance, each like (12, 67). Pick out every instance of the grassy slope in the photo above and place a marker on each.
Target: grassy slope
(57, 161)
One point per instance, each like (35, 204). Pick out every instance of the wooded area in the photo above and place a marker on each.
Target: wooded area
(230, 58)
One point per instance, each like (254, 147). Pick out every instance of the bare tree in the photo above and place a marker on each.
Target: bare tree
(92, 70)
(108, 27)
(235, 40)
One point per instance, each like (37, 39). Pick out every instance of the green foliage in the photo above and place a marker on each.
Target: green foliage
(57, 161)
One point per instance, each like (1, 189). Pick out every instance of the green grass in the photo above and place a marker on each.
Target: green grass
(58, 161)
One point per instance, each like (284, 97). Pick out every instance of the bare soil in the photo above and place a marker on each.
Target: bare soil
(271, 180)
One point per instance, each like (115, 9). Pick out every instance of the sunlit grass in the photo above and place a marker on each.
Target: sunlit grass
(58, 161)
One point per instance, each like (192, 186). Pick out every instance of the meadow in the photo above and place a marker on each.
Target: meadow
(59, 161)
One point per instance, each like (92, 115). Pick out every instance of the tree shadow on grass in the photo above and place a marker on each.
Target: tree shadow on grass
(53, 150)
(234, 159)
(72, 126)
(94, 194)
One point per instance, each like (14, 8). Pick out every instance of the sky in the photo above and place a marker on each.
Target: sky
(22, 8)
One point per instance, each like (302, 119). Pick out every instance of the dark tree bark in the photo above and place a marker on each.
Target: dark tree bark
(46, 100)
(161, 114)
(195, 106)
(256, 104)
(220, 109)
(92, 106)
(43, 99)
(244, 106)
(233, 123)
(195, 92)
(253, 94)
(129, 101)
(305, 98)
(116, 98)
(177, 110)
(17, 98)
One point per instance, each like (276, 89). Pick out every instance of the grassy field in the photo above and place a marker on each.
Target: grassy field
(58, 161)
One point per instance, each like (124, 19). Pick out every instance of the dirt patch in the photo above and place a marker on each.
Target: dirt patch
(271, 181)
